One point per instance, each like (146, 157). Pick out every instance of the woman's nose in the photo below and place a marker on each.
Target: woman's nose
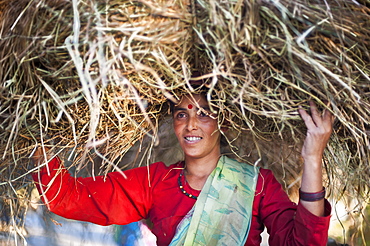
(192, 122)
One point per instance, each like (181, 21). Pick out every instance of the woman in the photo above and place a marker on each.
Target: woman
(236, 202)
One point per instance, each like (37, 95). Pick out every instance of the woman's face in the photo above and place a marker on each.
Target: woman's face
(196, 128)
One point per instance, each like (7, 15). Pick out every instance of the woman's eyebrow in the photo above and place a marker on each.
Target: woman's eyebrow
(179, 109)
(206, 108)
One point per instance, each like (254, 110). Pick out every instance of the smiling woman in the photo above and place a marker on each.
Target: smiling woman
(197, 131)
(206, 199)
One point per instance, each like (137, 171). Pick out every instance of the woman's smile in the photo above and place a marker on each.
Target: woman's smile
(193, 139)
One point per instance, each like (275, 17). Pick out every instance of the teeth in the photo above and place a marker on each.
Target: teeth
(193, 138)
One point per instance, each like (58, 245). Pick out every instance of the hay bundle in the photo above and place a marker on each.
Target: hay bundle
(82, 76)
(94, 76)
(275, 55)
(88, 72)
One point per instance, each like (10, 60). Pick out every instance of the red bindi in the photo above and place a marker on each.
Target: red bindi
(190, 106)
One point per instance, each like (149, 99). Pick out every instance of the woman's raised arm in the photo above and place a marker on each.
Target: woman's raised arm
(319, 128)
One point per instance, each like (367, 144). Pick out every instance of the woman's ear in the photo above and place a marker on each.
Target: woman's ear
(224, 129)
(225, 125)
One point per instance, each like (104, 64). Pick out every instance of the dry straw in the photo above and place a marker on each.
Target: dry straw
(93, 77)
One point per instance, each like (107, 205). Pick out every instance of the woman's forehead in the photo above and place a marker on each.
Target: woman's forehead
(191, 100)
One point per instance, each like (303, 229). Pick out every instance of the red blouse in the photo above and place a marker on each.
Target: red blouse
(154, 193)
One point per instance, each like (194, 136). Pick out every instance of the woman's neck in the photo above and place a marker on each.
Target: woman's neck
(198, 170)
(201, 166)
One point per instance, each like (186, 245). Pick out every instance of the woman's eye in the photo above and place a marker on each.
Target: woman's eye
(203, 114)
(181, 115)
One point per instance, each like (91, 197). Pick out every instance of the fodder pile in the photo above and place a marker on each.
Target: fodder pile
(93, 77)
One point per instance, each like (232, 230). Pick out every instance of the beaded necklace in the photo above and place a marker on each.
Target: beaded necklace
(182, 188)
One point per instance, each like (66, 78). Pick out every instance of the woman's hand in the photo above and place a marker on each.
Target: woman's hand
(39, 156)
(319, 128)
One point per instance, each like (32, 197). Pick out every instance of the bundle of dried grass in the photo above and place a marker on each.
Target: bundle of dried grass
(87, 76)
(87, 73)
(273, 56)
(93, 77)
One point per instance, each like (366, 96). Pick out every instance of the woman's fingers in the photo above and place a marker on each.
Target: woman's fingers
(315, 114)
(39, 155)
(306, 118)
(316, 119)
(328, 117)
(319, 128)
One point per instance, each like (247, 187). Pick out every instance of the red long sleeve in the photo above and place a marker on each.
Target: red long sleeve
(101, 201)
(288, 224)
(147, 192)
(153, 192)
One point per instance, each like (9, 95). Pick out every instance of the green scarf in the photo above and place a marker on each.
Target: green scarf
(223, 211)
